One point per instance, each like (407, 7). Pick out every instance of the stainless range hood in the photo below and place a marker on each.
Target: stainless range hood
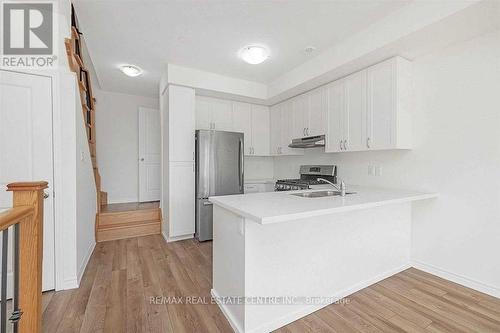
(308, 142)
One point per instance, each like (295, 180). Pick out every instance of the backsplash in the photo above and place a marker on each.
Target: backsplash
(257, 167)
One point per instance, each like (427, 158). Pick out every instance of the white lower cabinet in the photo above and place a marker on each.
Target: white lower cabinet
(181, 220)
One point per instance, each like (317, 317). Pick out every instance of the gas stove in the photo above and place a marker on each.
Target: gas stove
(308, 178)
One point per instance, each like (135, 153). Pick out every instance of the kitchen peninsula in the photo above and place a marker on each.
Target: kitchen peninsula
(301, 253)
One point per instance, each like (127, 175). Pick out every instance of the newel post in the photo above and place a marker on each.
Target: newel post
(30, 254)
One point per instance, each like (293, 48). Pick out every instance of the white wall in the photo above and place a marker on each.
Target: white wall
(118, 143)
(456, 153)
(76, 203)
(86, 194)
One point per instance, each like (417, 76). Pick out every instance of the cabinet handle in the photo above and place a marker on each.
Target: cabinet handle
(340, 144)
(345, 144)
(307, 131)
(368, 142)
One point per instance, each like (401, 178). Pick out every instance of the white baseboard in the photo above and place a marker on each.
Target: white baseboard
(175, 239)
(284, 320)
(83, 265)
(71, 283)
(462, 280)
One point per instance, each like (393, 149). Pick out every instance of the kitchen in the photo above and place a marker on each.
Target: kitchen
(337, 173)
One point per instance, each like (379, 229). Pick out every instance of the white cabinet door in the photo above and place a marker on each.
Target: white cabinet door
(355, 113)
(299, 113)
(287, 133)
(202, 113)
(381, 105)
(260, 130)
(221, 114)
(336, 111)
(181, 219)
(275, 129)
(242, 122)
(318, 108)
(181, 115)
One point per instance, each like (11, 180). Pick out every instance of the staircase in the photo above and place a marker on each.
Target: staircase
(119, 221)
(115, 221)
(76, 64)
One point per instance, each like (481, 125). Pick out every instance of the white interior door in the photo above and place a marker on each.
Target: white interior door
(26, 149)
(149, 155)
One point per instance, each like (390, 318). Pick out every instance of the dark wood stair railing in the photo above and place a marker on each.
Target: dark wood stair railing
(26, 218)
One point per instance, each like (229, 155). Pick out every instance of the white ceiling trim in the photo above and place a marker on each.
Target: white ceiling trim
(404, 33)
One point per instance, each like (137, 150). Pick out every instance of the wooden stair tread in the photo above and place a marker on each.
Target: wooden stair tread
(128, 224)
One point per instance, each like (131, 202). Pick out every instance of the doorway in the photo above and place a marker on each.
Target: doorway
(149, 155)
(26, 149)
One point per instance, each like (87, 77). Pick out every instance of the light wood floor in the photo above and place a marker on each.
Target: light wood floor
(122, 275)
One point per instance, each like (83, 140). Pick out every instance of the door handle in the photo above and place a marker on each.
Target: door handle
(240, 164)
(142, 159)
(45, 195)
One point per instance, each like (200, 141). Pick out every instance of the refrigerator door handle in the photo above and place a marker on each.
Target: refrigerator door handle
(240, 164)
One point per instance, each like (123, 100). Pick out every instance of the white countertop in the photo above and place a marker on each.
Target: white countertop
(272, 207)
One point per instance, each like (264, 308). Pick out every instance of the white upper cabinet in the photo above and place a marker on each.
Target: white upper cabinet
(203, 113)
(260, 130)
(281, 135)
(222, 115)
(299, 114)
(242, 122)
(214, 113)
(318, 108)
(388, 116)
(355, 112)
(253, 121)
(181, 121)
(335, 117)
(368, 110)
(275, 133)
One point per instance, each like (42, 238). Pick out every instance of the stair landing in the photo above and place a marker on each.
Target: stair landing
(126, 220)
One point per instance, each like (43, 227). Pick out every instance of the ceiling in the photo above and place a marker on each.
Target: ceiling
(207, 35)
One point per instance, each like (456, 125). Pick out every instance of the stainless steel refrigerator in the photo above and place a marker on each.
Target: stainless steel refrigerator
(219, 171)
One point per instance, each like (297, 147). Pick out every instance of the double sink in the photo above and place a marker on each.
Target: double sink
(320, 194)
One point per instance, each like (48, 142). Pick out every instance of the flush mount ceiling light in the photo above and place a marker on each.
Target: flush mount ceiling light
(254, 54)
(131, 70)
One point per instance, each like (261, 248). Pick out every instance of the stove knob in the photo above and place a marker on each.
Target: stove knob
(287, 187)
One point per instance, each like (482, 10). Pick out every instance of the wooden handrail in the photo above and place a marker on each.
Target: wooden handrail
(14, 215)
(28, 211)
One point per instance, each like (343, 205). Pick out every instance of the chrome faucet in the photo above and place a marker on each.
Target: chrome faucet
(341, 188)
